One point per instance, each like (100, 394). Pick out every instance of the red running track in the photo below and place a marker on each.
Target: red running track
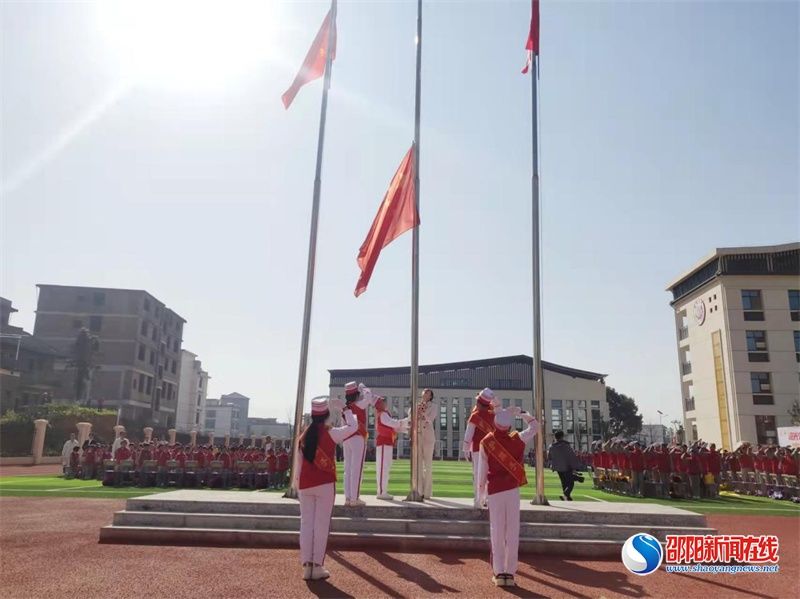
(48, 548)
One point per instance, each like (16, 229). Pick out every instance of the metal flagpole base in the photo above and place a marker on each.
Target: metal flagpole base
(415, 496)
(539, 500)
(291, 493)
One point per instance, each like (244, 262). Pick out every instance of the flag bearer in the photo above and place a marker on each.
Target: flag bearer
(317, 484)
(502, 470)
(358, 398)
(386, 429)
(426, 414)
(479, 424)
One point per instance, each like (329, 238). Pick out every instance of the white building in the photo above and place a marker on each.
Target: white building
(192, 389)
(222, 419)
(269, 427)
(737, 321)
(654, 433)
(575, 400)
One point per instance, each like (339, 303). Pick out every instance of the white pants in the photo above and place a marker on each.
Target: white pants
(504, 530)
(478, 494)
(316, 506)
(354, 449)
(428, 443)
(383, 464)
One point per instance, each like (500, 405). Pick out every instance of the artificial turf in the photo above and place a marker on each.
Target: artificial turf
(451, 479)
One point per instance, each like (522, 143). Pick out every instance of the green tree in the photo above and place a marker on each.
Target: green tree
(624, 418)
(84, 353)
(794, 412)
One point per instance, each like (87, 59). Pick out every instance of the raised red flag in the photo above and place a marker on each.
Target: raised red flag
(532, 45)
(397, 214)
(314, 65)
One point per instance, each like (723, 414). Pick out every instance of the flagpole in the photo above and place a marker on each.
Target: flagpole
(416, 445)
(538, 380)
(312, 254)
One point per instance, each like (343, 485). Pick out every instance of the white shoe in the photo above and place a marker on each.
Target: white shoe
(307, 571)
(476, 504)
(385, 496)
(319, 573)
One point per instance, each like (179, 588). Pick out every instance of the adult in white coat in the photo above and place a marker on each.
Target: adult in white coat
(66, 450)
(316, 487)
(426, 416)
(502, 470)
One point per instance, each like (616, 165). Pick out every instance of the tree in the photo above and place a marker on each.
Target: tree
(83, 360)
(624, 418)
(794, 412)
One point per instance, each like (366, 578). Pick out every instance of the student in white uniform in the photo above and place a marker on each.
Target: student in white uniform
(386, 430)
(317, 484)
(502, 470)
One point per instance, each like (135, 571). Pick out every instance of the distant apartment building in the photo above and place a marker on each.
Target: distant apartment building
(222, 419)
(138, 363)
(242, 404)
(737, 323)
(29, 367)
(654, 433)
(269, 427)
(192, 390)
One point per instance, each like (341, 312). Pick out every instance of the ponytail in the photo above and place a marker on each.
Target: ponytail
(310, 438)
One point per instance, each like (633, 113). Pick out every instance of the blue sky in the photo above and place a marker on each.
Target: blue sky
(667, 129)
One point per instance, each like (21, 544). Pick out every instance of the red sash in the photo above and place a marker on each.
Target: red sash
(480, 423)
(323, 461)
(495, 449)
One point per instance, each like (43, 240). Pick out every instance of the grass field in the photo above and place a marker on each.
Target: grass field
(451, 479)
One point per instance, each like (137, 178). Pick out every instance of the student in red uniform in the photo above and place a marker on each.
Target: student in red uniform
(386, 429)
(358, 398)
(74, 462)
(636, 465)
(122, 454)
(272, 468)
(692, 468)
(502, 471)
(162, 456)
(713, 466)
(479, 424)
(227, 465)
(89, 458)
(316, 484)
(282, 465)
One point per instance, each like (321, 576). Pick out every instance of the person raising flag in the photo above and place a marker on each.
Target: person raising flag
(386, 429)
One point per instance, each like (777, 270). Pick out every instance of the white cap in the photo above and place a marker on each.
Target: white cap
(503, 419)
(486, 396)
(319, 406)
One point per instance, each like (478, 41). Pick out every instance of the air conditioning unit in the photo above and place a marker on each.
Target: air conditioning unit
(766, 387)
(761, 345)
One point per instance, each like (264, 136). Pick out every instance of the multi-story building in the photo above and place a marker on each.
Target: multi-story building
(222, 419)
(654, 433)
(138, 362)
(269, 427)
(242, 404)
(737, 322)
(192, 390)
(29, 367)
(575, 400)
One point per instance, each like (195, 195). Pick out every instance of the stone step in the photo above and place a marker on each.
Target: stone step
(244, 503)
(394, 526)
(351, 540)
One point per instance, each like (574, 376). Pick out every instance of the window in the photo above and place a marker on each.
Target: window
(143, 328)
(757, 346)
(77, 323)
(154, 334)
(99, 298)
(761, 388)
(454, 417)
(135, 383)
(142, 353)
(556, 415)
(443, 416)
(146, 305)
(95, 323)
(766, 432)
(142, 380)
(149, 388)
(152, 357)
(176, 346)
(752, 304)
(797, 345)
(794, 304)
(175, 367)
(506, 402)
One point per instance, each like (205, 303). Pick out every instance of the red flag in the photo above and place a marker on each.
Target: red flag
(397, 214)
(314, 65)
(532, 45)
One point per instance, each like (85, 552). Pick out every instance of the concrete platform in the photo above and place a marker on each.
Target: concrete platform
(260, 519)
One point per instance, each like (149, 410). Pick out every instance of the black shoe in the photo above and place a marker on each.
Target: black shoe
(569, 498)
(561, 497)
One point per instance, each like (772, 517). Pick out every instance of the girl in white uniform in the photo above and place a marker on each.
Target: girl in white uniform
(317, 484)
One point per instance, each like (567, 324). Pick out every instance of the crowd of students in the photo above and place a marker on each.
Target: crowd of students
(693, 471)
(158, 463)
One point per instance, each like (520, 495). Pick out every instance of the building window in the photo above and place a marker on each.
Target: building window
(154, 333)
(146, 305)
(143, 328)
(556, 414)
(176, 345)
(752, 305)
(142, 379)
(95, 323)
(443, 416)
(135, 383)
(142, 353)
(152, 357)
(762, 388)
(757, 346)
(149, 389)
(175, 368)
(99, 298)
(797, 345)
(689, 403)
(454, 417)
(766, 432)
(794, 304)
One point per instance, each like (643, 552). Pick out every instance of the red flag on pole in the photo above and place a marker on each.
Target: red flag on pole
(314, 65)
(397, 214)
(532, 45)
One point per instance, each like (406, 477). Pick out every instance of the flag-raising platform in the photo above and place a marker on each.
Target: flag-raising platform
(262, 519)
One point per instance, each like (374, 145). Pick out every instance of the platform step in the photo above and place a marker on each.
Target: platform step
(395, 526)
(351, 540)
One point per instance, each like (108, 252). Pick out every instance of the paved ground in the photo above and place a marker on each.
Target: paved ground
(48, 548)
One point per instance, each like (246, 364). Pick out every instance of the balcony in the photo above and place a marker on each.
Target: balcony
(686, 368)
(688, 404)
(683, 333)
